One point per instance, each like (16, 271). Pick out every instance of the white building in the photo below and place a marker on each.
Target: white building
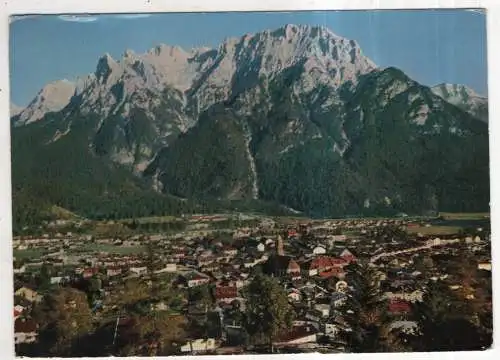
(197, 280)
(198, 345)
(20, 270)
(331, 329)
(56, 279)
(414, 296)
(139, 270)
(484, 266)
(171, 267)
(319, 250)
(323, 308)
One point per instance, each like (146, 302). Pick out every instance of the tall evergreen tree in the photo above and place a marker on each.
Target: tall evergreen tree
(365, 321)
(268, 313)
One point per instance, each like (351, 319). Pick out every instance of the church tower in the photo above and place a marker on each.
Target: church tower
(279, 246)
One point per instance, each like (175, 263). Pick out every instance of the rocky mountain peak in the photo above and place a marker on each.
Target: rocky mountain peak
(52, 97)
(15, 110)
(465, 98)
(450, 91)
(105, 66)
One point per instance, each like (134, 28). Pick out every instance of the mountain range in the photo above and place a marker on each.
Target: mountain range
(295, 118)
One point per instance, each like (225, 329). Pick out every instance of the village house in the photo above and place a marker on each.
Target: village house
(338, 299)
(294, 294)
(28, 294)
(324, 309)
(25, 331)
(413, 296)
(56, 280)
(20, 270)
(229, 251)
(297, 336)
(159, 306)
(139, 270)
(486, 265)
(18, 311)
(314, 315)
(322, 264)
(399, 307)
(89, 272)
(270, 244)
(226, 294)
(195, 279)
(347, 256)
(169, 268)
(319, 250)
(199, 345)
(404, 326)
(113, 271)
(330, 328)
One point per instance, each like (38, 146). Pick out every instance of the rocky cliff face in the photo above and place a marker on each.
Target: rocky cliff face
(465, 98)
(52, 98)
(297, 116)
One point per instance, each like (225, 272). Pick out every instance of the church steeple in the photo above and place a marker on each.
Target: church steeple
(279, 247)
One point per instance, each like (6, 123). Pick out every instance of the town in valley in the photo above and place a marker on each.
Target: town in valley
(193, 285)
(249, 183)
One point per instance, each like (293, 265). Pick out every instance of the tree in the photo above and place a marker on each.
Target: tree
(268, 312)
(365, 321)
(444, 324)
(148, 336)
(201, 294)
(64, 317)
(43, 279)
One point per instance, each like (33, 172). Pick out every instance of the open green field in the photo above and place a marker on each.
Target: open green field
(113, 249)
(435, 230)
(465, 216)
(149, 219)
(28, 254)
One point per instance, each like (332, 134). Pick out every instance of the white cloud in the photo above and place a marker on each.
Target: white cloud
(21, 17)
(78, 18)
(477, 11)
(133, 16)
(84, 18)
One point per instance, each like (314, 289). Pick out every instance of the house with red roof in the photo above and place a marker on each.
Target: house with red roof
(196, 279)
(297, 336)
(25, 331)
(399, 307)
(18, 311)
(292, 233)
(89, 272)
(322, 264)
(226, 293)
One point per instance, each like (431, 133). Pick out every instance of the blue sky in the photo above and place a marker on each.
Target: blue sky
(431, 46)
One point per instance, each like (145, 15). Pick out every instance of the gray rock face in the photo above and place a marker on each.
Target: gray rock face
(465, 98)
(52, 98)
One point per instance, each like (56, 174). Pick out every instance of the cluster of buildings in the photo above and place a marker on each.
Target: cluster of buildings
(309, 260)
